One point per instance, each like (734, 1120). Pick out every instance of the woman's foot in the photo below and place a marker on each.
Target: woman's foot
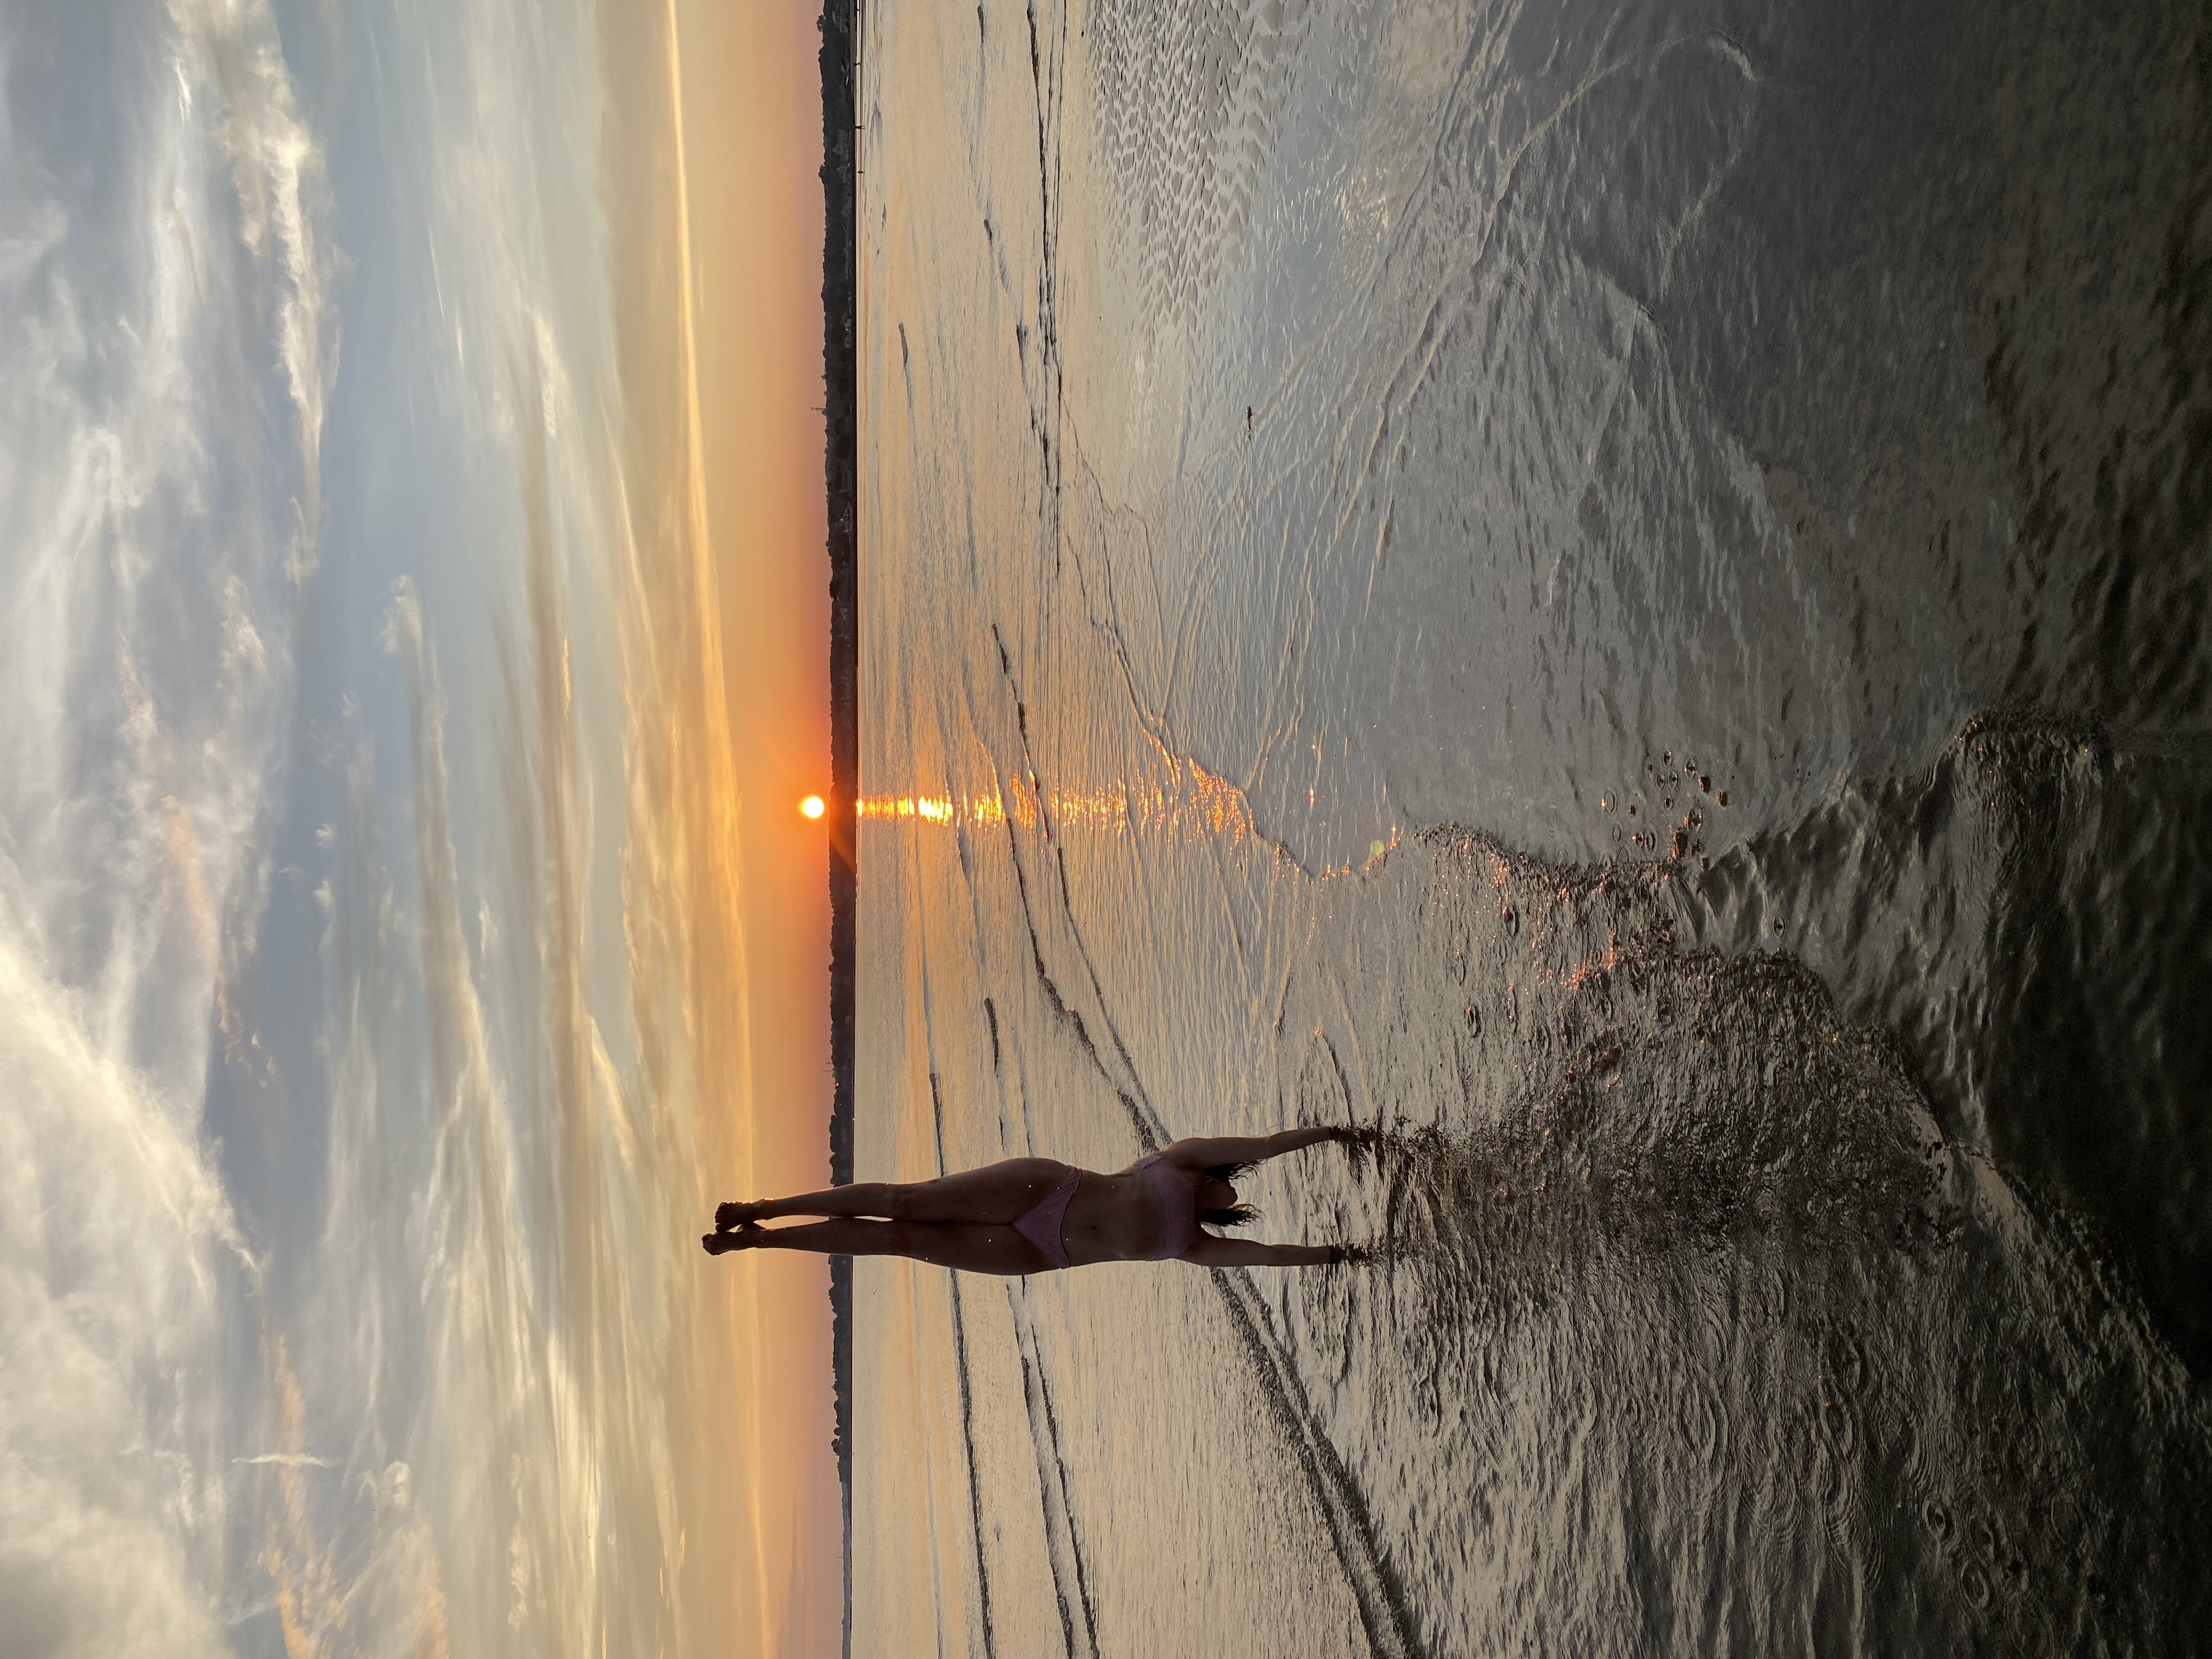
(743, 1236)
(734, 1215)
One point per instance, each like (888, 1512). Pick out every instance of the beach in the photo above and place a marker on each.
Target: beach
(1617, 596)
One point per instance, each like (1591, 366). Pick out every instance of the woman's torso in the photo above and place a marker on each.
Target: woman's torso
(1143, 1213)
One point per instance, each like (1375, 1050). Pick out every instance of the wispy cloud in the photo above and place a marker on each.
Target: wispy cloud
(113, 1242)
(286, 1461)
(154, 269)
(537, 1415)
(231, 50)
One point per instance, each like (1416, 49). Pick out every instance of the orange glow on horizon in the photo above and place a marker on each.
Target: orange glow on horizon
(765, 1556)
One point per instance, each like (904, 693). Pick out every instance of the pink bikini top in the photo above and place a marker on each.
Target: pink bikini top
(1178, 1207)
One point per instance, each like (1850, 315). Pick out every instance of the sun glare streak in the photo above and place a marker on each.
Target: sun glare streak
(1196, 803)
(1193, 803)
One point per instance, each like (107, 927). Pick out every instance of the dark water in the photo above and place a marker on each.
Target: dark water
(1619, 594)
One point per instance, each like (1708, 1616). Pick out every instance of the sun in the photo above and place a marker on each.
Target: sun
(812, 806)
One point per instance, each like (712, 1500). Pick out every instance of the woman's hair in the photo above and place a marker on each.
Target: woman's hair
(1237, 1215)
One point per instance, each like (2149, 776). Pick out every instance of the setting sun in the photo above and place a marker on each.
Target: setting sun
(812, 806)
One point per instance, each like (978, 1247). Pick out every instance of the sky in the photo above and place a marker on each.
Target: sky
(413, 600)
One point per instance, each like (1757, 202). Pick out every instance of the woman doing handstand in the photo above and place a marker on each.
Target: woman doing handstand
(1027, 1215)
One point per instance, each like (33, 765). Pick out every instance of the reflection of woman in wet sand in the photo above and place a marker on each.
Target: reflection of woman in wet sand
(1028, 1214)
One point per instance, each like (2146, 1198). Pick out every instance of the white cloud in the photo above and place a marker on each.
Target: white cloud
(113, 1239)
(276, 174)
(160, 274)
(287, 1461)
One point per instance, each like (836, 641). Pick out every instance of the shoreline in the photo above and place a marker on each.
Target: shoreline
(841, 473)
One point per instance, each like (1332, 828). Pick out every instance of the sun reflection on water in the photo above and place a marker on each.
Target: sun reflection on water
(1193, 802)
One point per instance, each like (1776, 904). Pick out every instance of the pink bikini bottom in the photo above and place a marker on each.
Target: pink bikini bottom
(1040, 1223)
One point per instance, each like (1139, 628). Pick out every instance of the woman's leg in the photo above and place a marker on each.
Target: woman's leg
(996, 1192)
(970, 1246)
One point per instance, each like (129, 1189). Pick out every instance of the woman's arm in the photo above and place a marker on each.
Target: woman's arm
(1209, 1251)
(1206, 1152)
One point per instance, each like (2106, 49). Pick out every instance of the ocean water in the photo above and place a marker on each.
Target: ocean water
(1617, 592)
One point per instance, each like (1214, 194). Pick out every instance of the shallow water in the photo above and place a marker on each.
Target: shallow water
(1619, 595)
